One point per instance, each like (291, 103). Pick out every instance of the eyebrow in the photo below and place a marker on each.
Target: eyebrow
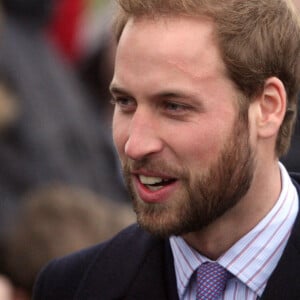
(117, 90)
(162, 94)
(171, 94)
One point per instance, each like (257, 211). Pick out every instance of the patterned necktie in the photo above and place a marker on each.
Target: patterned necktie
(211, 281)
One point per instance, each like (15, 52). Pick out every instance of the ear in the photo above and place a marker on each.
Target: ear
(271, 108)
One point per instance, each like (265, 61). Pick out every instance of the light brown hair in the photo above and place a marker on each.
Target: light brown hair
(56, 220)
(258, 39)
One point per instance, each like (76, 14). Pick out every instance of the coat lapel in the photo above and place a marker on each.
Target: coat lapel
(156, 278)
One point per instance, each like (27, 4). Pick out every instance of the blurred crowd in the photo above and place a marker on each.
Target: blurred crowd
(60, 186)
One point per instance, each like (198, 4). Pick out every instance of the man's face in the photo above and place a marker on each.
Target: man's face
(184, 149)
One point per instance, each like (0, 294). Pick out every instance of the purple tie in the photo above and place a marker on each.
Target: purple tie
(211, 281)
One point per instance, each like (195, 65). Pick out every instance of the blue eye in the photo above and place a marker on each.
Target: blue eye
(174, 106)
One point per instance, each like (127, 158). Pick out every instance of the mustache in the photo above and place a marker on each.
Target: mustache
(154, 166)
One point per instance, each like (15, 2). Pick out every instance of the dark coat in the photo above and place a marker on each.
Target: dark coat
(136, 265)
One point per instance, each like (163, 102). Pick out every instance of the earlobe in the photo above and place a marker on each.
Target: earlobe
(272, 108)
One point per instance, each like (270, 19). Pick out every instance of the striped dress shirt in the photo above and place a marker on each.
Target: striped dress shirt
(251, 259)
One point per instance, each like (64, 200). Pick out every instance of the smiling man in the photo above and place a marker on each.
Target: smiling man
(205, 102)
(183, 143)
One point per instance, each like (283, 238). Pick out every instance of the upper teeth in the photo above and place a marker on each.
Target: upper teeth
(149, 179)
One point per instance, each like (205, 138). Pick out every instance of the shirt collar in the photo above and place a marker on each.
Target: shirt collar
(253, 258)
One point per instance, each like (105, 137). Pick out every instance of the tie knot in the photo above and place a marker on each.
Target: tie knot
(211, 281)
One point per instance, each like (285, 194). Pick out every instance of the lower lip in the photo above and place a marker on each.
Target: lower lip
(158, 196)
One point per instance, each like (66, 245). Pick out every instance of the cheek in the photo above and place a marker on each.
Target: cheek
(200, 142)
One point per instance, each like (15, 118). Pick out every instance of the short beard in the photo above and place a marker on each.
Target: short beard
(203, 198)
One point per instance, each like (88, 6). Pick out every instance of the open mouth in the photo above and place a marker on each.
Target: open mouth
(155, 183)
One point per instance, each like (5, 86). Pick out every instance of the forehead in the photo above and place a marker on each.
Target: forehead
(183, 44)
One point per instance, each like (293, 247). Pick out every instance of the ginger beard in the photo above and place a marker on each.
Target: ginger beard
(202, 198)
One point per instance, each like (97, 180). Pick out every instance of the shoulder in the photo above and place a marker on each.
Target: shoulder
(61, 278)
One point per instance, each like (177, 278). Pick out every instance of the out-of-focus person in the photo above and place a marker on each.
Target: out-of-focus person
(54, 221)
(56, 135)
(81, 31)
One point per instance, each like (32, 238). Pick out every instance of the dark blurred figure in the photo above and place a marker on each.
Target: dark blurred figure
(96, 71)
(57, 135)
(32, 12)
(81, 31)
(54, 221)
(292, 159)
(96, 64)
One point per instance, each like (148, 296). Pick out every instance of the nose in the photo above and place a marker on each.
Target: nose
(143, 137)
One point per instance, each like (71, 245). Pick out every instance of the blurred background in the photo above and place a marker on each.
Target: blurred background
(60, 184)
